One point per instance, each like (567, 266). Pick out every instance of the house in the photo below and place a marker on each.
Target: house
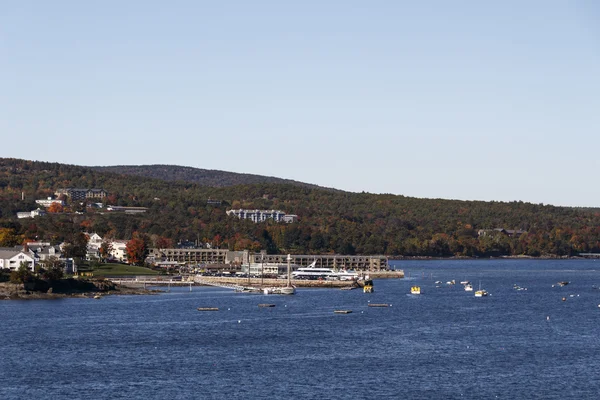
(11, 259)
(93, 245)
(43, 252)
(508, 232)
(118, 250)
(31, 214)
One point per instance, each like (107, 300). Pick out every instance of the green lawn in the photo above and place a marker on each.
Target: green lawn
(122, 269)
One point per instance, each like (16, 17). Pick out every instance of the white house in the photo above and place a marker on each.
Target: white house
(118, 250)
(11, 259)
(93, 245)
(31, 214)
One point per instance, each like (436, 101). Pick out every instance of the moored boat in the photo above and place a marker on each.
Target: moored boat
(415, 290)
(368, 287)
(468, 287)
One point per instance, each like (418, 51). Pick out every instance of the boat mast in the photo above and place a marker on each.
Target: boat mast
(289, 276)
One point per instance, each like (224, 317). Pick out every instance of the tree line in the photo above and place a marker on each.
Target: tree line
(329, 221)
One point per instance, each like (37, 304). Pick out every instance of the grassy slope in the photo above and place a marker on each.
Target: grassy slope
(122, 269)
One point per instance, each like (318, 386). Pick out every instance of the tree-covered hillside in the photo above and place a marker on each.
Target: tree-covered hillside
(203, 177)
(329, 221)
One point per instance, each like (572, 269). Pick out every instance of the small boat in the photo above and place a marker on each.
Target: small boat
(378, 305)
(368, 287)
(208, 309)
(465, 282)
(481, 292)
(468, 287)
(563, 283)
(342, 311)
(289, 288)
(97, 296)
(280, 290)
(415, 290)
(266, 305)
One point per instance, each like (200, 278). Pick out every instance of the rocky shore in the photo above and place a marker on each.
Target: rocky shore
(64, 288)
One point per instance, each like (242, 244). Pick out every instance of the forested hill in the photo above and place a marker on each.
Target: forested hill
(203, 177)
(329, 221)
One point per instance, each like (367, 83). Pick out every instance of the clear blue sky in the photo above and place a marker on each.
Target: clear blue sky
(480, 100)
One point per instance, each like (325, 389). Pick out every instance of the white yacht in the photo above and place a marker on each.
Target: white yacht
(312, 272)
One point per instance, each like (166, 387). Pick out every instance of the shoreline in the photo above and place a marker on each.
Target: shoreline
(12, 291)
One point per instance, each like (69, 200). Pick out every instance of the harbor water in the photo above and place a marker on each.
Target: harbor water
(538, 343)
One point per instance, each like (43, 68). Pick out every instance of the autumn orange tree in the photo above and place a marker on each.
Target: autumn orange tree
(137, 249)
(55, 208)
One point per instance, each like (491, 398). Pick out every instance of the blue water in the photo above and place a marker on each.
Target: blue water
(443, 344)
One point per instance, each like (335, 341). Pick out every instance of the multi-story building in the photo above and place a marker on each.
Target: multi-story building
(190, 256)
(226, 257)
(263, 215)
(11, 259)
(82, 194)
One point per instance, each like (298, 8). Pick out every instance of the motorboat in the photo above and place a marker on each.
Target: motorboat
(368, 287)
(415, 290)
(468, 287)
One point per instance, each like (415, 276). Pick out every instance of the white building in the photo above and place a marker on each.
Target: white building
(31, 214)
(11, 259)
(118, 250)
(49, 201)
(93, 245)
(263, 215)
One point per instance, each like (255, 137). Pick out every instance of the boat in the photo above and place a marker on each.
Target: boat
(481, 292)
(288, 289)
(465, 282)
(342, 311)
(312, 272)
(280, 290)
(368, 287)
(468, 287)
(415, 290)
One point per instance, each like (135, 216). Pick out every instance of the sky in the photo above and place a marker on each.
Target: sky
(471, 100)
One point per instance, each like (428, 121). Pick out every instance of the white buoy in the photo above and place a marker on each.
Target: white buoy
(547, 318)
(228, 309)
(239, 321)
